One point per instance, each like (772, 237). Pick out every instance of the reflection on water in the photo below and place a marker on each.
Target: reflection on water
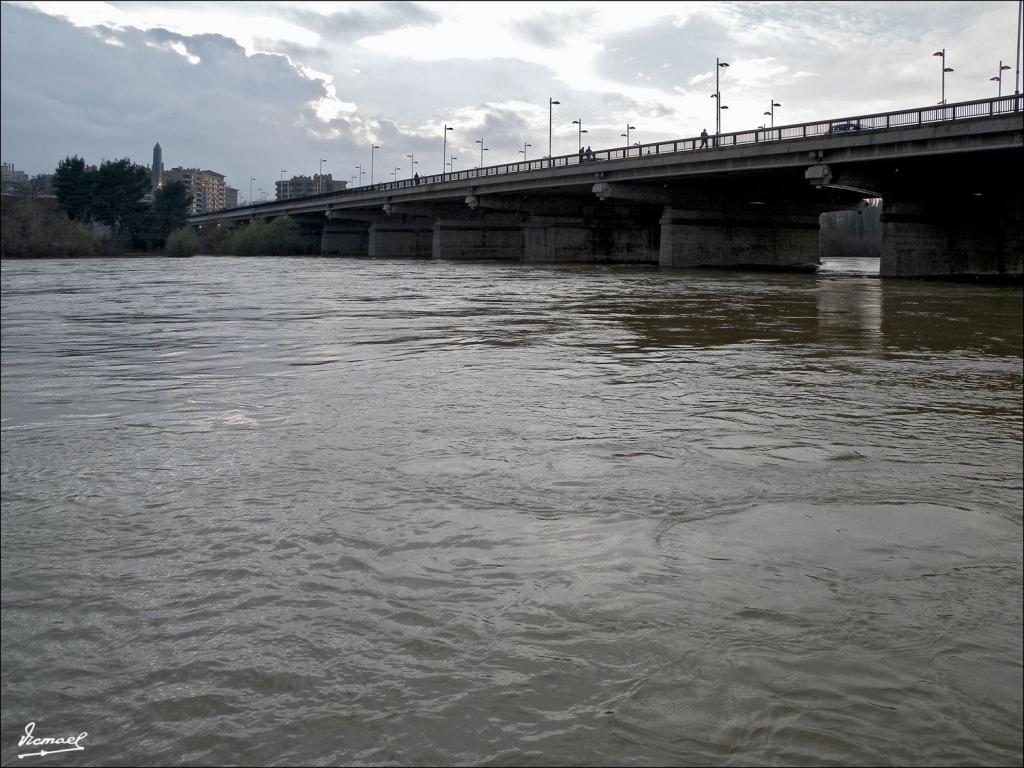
(332, 511)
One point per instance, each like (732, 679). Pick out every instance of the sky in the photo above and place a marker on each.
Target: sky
(257, 90)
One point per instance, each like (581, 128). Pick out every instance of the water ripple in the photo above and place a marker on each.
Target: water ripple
(314, 511)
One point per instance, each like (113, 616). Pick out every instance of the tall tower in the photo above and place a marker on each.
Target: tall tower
(158, 166)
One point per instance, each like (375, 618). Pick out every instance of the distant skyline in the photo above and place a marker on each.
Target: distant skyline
(254, 89)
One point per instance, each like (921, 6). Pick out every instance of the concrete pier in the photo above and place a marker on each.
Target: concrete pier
(729, 238)
(977, 236)
(478, 238)
(401, 237)
(341, 237)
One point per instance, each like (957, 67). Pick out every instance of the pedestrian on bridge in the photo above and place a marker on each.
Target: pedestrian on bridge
(704, 139)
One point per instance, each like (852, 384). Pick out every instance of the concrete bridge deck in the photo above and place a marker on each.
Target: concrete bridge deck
(949, 179)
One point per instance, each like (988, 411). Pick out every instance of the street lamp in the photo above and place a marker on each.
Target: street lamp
(251, 180)
(444, 149)
(523, 150)
(412, 161)
(579, 132)
(945, 69)
(551, 103)
(360, 169)
(999, 76)
(1016, 63)
(482, 150)
(626, 134)
(451, 164)
(772, 112)
(320, 179)
(717, 96)
(372, 147)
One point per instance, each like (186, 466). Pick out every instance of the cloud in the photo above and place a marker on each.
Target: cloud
(105, 92)
(363, 21)
(550, 29)
(666, 54)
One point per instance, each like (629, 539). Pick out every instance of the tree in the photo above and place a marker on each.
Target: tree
(149, 228)
(73, 185)
(172, 205)
(120, 186)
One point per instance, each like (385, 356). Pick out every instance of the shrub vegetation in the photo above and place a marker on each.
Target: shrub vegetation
(29, 229)
(280, 237)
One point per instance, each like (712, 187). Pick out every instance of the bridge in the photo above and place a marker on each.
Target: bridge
(949, 177)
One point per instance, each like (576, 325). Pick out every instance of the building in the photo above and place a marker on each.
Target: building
(212, 184)
(206, 187)
(14, 182)
(301, 186)
(156, 172)
(230, 197)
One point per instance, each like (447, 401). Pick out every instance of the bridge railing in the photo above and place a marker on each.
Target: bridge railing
(840, 126)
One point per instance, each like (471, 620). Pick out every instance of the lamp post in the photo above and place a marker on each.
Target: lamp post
(482, 150)
(772, 112)
(444, 148)
(320, 179)
(412, 161)
(372, 147)
(551, 103)
(251, 180)
(523, 150)
(360, 169)
(945, 69)
(451, 164)
(626, 134)
(717, 96)
(999, 76)
(579, 132)
(1016, 75)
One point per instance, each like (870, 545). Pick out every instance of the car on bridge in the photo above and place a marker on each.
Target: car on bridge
(845, 127)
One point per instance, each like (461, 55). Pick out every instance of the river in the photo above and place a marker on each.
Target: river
(322, 511)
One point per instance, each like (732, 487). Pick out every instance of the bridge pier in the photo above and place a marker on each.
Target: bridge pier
(401, 237)
(613, 239)
(341, 237)
(548, 240)
(728, 236)
(479, 238)
(980, 235)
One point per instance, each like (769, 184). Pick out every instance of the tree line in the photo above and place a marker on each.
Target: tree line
(113, 194)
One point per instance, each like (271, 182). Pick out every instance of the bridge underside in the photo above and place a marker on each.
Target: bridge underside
(666, 225)
(932, 226)
(964, 219)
